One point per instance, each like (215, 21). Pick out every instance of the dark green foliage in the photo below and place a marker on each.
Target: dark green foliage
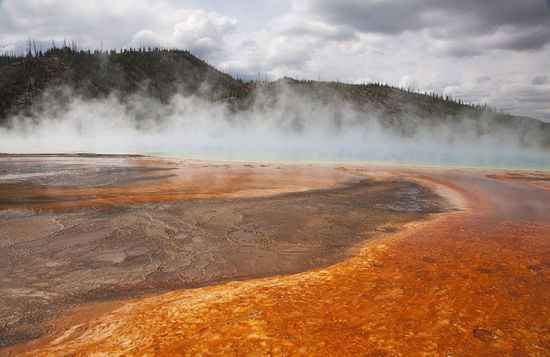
(7, 58)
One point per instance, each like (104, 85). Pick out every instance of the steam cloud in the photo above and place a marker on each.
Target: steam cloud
(292, 128)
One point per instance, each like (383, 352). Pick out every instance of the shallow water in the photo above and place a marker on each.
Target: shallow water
(504, 160)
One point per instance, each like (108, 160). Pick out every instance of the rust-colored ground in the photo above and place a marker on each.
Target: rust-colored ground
(470, 283)
(58, 256)
(166, 180)
(536, 178)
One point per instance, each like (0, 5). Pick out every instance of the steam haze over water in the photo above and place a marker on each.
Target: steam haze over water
(296, 128)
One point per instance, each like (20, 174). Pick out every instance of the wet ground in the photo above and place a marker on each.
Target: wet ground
(473, 282)
(84, 231)
(68, 181)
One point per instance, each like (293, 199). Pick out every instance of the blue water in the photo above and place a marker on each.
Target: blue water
(504, 159)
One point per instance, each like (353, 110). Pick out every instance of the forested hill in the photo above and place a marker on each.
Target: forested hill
(156, 72)
(162, 73)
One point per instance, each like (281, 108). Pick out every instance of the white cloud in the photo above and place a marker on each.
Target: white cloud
(115, 23)
(145, 38)
(201, 31)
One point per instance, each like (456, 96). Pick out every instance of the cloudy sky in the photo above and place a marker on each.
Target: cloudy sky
(490, 51)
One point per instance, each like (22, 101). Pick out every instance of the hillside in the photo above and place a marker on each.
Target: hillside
(156, 73)
(160, 74)
(407, 112)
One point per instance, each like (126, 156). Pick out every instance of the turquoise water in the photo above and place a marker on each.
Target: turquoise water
(503, 159)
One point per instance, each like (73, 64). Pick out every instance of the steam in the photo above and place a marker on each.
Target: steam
(292, 127)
